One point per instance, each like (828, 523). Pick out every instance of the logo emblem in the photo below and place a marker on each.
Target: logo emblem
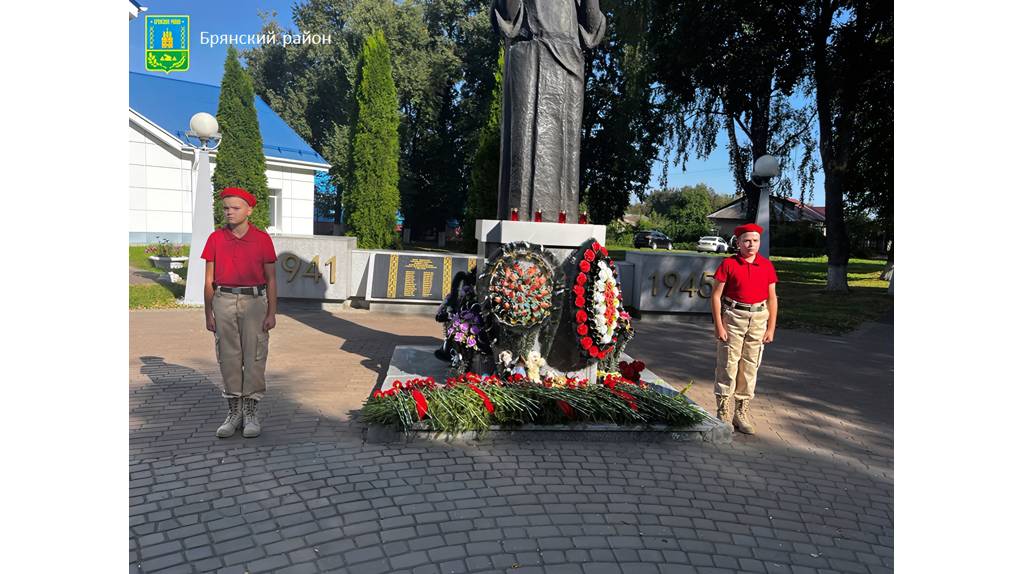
(167, 40)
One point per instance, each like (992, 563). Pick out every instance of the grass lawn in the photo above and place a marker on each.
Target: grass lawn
(804, 303)
(154, 296)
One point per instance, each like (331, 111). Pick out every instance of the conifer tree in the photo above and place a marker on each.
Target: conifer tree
(372, 202)
(482, 201)
(240, 160)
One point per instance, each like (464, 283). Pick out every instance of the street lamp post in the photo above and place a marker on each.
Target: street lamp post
(203, 127)
(765, 168)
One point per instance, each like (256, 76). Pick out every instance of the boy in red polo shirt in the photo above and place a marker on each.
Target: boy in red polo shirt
(241, 304)
(745, 307)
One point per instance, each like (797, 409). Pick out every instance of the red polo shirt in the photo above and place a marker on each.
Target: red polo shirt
(746, 282)
(238, 261)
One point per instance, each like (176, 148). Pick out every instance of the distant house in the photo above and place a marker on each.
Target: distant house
(161, 177)
(784, 210)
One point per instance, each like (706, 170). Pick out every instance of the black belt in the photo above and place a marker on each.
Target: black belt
(255, 290)
(754, 308)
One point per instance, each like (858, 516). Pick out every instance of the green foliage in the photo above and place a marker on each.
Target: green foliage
(372, 202)
(623, 122)
(240, 159)
(738, 67)
(442, 54)
(684, 211)
(482, 201)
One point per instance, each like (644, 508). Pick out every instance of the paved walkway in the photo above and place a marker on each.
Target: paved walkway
(812, 492)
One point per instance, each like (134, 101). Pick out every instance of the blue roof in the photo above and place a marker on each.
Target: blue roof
(170, 103)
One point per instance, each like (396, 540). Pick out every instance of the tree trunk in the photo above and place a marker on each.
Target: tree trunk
(759, 135)
(837, 278)
(887, 271)
(833, 148)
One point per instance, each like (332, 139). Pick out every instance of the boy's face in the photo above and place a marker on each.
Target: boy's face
(236, 210)
(749, 243)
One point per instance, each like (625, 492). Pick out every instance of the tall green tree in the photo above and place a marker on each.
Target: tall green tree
(372, 202)
(623, 122)
(482, 200)
(240, 160)
(441, 66)
(851, 53)
(737, 66)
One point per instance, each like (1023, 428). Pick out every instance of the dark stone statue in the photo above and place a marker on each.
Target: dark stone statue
(542, 106)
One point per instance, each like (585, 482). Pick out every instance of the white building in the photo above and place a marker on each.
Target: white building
(161, 177)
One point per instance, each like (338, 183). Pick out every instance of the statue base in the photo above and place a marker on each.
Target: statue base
(562, 239)
(557, 341)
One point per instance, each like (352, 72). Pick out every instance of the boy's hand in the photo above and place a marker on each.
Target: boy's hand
(721, 334)
(211, 324)
(269, 323)
(769, 336)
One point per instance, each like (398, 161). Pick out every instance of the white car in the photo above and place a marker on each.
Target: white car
(712, 244)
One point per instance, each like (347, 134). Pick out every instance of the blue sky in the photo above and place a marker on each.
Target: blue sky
(242, 17)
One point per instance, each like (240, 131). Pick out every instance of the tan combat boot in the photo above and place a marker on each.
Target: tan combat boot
(723, 408)
(234, 419)
(250, 412)
(741, 421)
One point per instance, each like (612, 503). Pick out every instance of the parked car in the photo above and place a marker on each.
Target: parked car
(712, 244)
(653, 239)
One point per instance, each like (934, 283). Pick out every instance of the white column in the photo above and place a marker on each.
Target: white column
(202, 227)
(762, 218)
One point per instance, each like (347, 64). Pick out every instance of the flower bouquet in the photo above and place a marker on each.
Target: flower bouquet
(471, 402)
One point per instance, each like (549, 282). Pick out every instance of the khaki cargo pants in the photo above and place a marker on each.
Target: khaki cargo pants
(740, 356)
(241, 343)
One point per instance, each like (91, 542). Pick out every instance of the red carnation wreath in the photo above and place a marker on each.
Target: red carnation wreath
(597, 300)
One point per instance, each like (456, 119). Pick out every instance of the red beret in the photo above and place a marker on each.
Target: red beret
(747, 228)
(239, 192)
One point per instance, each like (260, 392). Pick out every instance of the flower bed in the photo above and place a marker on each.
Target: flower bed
(471, 402)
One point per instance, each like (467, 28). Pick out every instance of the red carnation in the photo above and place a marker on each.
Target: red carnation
(581, 279)
(579, 302)
(421, 403)
(487, 401)
(604, 251)
(592, 351)
(581, 316)
(585, 266)
(589, 255)
(581, 329)
(578, 290)
(587, 343)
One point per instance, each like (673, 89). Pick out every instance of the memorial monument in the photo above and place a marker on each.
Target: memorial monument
(547, 297)
(542, 103)
(528, 329)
